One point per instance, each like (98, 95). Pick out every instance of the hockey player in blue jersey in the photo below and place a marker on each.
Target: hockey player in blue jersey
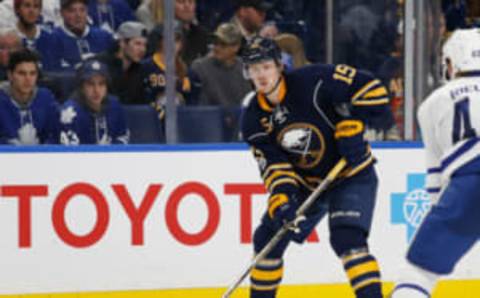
(93, 116)
(34, 36)
(450, 121)
(76, 40)
(299, 125)
(28, 114)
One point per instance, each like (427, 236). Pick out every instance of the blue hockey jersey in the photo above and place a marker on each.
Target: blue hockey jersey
(154, 81)
(81, 125)
(109, 15)
(72, 49)
(43, 43)
(34, 123)
(294, 141)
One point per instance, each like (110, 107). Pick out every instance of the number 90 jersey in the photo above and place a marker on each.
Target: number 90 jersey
(294, 140)
(450, 121)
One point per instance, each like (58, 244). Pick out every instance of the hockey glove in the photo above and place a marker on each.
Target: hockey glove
(350, 141)
(281, 209)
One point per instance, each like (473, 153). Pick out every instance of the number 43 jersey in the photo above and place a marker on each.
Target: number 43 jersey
(294, 141)
(450, 121)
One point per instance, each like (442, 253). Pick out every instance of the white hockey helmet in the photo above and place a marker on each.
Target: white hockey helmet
(462, 52)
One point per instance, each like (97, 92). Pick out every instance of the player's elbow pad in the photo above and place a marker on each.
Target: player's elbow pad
(350, 141)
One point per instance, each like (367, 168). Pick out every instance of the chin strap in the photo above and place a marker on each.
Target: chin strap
(274, 87)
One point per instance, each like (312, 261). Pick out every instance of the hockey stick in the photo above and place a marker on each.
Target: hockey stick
(299, 214)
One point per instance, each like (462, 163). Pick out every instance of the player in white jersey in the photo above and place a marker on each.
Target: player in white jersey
(450, 123)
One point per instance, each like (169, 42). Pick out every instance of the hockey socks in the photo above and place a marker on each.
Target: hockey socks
(364, 274)
(265, 278)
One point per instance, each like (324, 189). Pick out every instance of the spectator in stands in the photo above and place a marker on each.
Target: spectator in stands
(195, 36)
(28, 114)
(9, 42)
(293, 52)
(49, 17)
(123, 63)
(34, 37)
(76, 40)
(221, 74)
(292, 46)
(356, 28)
(153, 72)
(109, 14)
(150, 13)
(92, 116)
(392, 75)
(250, 17)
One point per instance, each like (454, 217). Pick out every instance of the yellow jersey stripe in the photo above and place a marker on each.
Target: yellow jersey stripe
(270, 262)
(276, 197)
(267, 275)
(348, 128)
(366, 283)
(282, 181)
(376, 102)
(275, 166)
(364, 89)
(158, 60)
(380, 91)
(263, 287)
(276, 203)
(278, 174)
(361, 269)
(349, 258)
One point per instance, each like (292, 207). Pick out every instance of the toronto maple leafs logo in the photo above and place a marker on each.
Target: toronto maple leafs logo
(67, 115)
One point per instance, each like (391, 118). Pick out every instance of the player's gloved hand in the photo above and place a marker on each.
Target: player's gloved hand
(350, 141)
(281, 209)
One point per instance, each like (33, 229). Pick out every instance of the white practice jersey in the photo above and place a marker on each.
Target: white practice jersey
(450, 123)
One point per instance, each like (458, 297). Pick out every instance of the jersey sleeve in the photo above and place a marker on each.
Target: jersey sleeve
(432, 154)
(275, 169)
(359, 95)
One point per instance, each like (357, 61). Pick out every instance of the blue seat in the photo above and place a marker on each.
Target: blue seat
(144, 125)
(197, 124)
(61, 83)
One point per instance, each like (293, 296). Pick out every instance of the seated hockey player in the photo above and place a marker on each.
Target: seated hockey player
(28, 113)
(92, 116)
(449, 120)
(299, 125)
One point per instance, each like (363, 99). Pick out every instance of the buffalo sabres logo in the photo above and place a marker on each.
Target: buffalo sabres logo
(280, 114)
(304, 143)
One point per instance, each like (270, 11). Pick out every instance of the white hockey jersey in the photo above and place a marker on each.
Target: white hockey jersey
(450, 123)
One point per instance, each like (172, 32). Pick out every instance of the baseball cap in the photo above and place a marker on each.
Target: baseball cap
(131, 29)
(92, 67)
(257, 4)
(228, 33)
(66, 3)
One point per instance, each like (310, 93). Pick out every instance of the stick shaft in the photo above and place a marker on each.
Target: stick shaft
(285, 229)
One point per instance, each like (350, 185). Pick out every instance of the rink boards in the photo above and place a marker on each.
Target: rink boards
(164, 221)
